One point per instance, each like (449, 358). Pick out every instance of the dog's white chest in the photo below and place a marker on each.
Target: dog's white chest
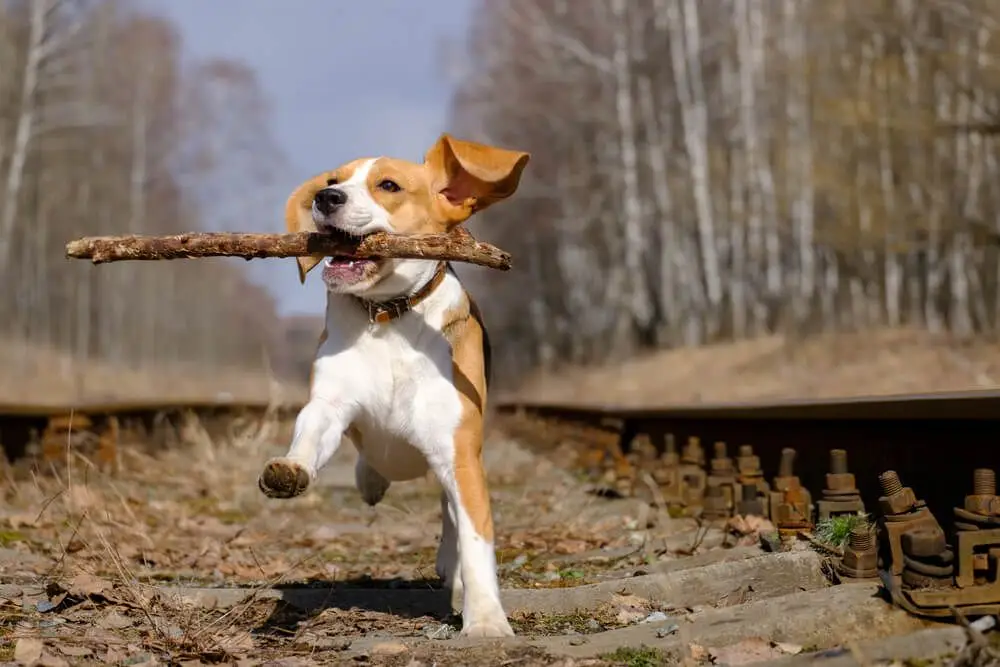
(398, 379)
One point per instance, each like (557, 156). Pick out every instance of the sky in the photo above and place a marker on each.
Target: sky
(344, 79)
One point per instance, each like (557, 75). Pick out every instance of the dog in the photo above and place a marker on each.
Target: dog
(403, 365)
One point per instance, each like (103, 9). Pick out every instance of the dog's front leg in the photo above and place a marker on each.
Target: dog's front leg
(319, 429)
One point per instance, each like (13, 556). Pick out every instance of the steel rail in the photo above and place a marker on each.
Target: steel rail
(933, 440)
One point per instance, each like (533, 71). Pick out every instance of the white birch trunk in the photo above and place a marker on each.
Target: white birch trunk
(685, 57)
(634, 232)
(25, 125)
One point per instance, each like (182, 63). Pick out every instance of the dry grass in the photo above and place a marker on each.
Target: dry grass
(874, 363)
(39, 375)
(85, 557)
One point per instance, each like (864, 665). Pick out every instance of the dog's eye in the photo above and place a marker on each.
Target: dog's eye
(389, 186)
(331, 181)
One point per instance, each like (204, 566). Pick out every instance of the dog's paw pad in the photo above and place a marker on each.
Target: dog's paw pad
(282, 478)
(493, 629)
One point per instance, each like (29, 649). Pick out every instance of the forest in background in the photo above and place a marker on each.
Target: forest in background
(105, 130)
(710, 170)
(703, 171)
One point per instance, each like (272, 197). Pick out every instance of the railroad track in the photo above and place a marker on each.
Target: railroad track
(922, 466)
(41, 431)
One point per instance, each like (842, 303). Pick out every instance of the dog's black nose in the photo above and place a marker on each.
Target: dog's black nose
(329, 200)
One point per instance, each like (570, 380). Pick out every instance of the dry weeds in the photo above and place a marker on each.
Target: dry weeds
(86, 558)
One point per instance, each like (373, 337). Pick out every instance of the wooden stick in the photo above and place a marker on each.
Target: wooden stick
(458, 246)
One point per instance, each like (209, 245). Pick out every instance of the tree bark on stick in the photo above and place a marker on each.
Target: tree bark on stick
(456, 246)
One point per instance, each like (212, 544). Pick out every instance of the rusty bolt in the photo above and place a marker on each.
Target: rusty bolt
(860, 559)
(899, 503)
(982, 505)
(923, 542)
(720, 449)
(669, 459)
(747, 463)
(896, 498)
(789, 514)
(714, 503)
(721, 464)
(861, 538)
(838, 461)
(840, 482)
(984, 482)
(983, 500)
(750, 502)
(693, 453)
(786, 467)
(722, 467)
(890, 483)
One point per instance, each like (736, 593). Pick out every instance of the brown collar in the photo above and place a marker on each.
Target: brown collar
(381, 312)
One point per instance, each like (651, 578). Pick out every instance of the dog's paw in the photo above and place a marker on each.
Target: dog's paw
(283, 478)
(493, 628)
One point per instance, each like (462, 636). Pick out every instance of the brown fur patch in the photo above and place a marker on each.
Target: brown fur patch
(466, 337)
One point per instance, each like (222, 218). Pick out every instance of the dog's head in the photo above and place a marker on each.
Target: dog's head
(457, 179)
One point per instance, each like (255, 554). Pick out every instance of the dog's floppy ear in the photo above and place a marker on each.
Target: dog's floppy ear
(298, 217)
(467, 176)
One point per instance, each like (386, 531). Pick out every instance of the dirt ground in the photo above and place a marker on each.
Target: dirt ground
(826, 366)
(179, 559)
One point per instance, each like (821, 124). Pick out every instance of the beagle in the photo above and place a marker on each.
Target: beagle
(403, 364)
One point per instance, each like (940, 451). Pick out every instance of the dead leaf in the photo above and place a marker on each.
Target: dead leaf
(629, 609)
(49, 660)
(390, 648)
(28, 650)
(749, 525)
(15, 521)
(235, 644)
(114, 621)
(74, 651)
(752, 649)
(790, 649)
(698, 652)
(85, 585)
(114, 656)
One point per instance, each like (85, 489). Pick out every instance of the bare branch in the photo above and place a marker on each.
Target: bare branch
(456, 246)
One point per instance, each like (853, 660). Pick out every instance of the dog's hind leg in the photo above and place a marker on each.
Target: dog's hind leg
(448, 565)
(370, 482)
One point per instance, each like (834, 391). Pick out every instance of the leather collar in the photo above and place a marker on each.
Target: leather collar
(380, 312)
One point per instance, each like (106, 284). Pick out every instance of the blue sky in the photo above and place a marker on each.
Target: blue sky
(345, 80)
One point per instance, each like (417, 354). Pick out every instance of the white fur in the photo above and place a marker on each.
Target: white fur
(393, 382)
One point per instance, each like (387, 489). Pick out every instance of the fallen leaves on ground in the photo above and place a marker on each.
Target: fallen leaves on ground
(86, 553)
(748, 529)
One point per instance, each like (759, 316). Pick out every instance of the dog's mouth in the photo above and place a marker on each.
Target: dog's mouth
(343, 270)
(339, 269)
